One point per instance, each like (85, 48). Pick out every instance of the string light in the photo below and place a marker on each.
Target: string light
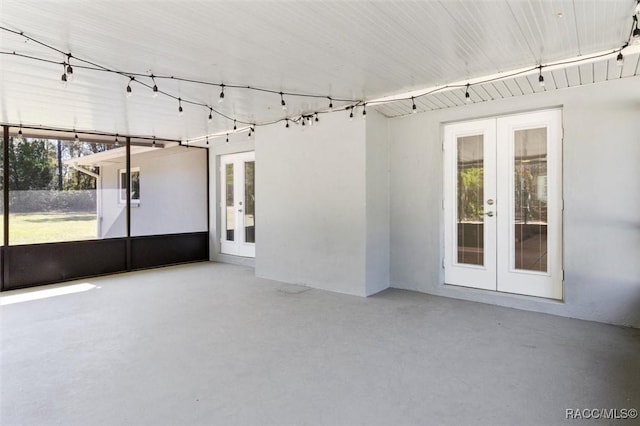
(69, 68)
(180, 110)
(210, 118)
(287, 121)
(467, 96)
(302, 119)
(129, 91)
(540, 77)
(20, 131)
(250, 131)
(317, 119)
(221, 98)
(364, 110)
(207, 139)
(77, 138)
(227, 137)
(282, 102)
(351, 114)
(116, 142)
(63, 79)
(234, 125)
(154, 142)
(155, 87)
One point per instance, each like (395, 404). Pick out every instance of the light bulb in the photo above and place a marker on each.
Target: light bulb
(282, 102)
(620, 59)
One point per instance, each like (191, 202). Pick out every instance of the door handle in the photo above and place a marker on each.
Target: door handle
(240, 210)
(490, 214)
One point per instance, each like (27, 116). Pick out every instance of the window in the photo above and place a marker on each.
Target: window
(135, 185)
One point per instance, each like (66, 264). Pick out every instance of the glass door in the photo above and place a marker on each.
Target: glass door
(470, 221)
(237, 196)
(503, 204)
(530, 225)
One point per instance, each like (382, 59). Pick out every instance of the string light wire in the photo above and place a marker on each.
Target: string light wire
(89, 65)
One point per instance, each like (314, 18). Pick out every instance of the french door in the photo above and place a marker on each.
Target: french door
(503, 204)
(237, 196)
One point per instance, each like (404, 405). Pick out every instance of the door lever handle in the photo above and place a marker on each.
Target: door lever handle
(240, 210)
(490, 214)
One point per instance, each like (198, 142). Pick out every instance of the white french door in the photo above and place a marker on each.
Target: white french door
(503, 204)
(237, 201)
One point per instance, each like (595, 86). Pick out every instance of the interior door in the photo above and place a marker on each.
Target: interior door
(237, 212)
(503, 204)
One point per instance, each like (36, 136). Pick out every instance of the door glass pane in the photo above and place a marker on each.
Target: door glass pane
(230, 225)
(530, 199)
(470, 196)
(249, 202)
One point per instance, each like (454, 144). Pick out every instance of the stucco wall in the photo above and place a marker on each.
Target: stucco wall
(173, 194)
(377, 203)
(310, 204)
(601, 186)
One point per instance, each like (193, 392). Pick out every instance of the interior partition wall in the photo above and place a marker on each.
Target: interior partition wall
(82, 205)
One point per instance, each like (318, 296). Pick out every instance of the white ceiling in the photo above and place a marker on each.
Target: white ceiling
(344, 49)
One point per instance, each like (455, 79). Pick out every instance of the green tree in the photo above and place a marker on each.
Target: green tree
(31, 165)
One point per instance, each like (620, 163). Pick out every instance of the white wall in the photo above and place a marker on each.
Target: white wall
(310, 204)
(173, 194)
(377, 203)
(601, 191)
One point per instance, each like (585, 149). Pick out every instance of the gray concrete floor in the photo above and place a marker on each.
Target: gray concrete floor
(210, 344)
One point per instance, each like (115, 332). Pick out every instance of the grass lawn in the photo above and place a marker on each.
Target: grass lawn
(33, 228)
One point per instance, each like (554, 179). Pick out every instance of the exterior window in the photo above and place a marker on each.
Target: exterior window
(135, 185)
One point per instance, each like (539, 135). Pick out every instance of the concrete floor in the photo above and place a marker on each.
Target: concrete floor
(210, 344)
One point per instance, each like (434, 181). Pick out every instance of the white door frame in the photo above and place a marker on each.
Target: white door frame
(499, 271)
(238, 246)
